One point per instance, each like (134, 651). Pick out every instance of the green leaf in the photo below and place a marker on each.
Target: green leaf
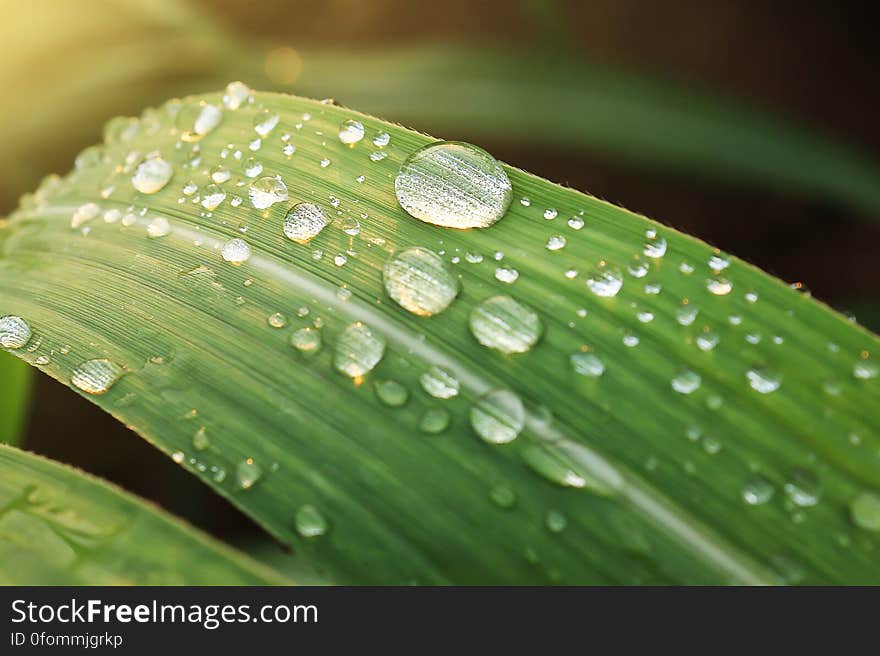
(615, 479)
(15, 378)
(59, 526)
(550, 99)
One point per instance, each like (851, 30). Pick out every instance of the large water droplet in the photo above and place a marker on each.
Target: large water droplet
(439, 383)
(506, 325)
(453, 184)
(420, 281)
(310, 523)
(236, 251)
(14, 332)
(358, 350)
(152, 175)
(498, 417)
(266, 191)
(95, 376)
(865, 511)
(303, 222)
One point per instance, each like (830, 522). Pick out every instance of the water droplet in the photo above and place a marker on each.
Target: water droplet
(435, 420)
(310, 523)
(865, 511)
(758, 491)
(277, 320)
(178, 457)
(656, 248)
(719, 286)
(83, 214)
(95, 376)
(555, 243)
(43, 360)
(498, 417)
(158, 227)
(14, 332)
(350, 225)
(351, 132)
(645, 316)
(763, 380)
(378, 156)
(706, 341)
(550, 213)
(266, 191)
(420, 281)
(306, 340)
(686, 314)
(803, 487)
(236, 251)
(391, 393)
(264, 122)
(506, 274)
(553, 467)
(252, 167)
(575, 223)
(303, 222)
(248, 473)
(236, 94)
(638, 269)
(453, 184)
(555, 521)
(506, 325)
(605, 282)
(212, 197)
(865, 369)
(200, 439)
(587, 364)
(152, 175)
(686, 381)
(197, 120)
(503, 496)
(358, 350)
(381, 140)
(630, 340)
(439, 383)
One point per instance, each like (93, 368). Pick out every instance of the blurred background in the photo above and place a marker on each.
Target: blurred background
(752, 125)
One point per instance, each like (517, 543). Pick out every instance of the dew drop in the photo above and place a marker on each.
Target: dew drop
(264, 122)
(83, 214)
(236, 94)
(555, 521)
(435, 421)
(453, 184)
(200, 440)
(556, 243)
(656, 248)
(865, 369)
(277, 320)
(503, 496)
(763, 380)
(358, 350)
(212, 197)
(757, 491)
(550, 213)
(686, 314)
(14, 332)
(498, 417)
(587, 364)
(248, 473)
(605, 282)
(351, 132)
(95, 376)
(306, 340)
(419, 281)
(152, 175)
(197, 120)
(310, 523)
(236, 251)
(439, 383)
(865, 511)
(706, 341)
(252, 167)
(575, 223)
(719, 286)
(303, 222)
(803, 487)
(266, 191)
(506, 325)
(391, 393)
(686, 382)
(506, 274)
(158, 227)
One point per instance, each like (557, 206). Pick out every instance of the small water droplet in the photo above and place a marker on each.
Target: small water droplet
(865, 511)
(236, 94)
(719, 286)
(555, 521)
(506, 274)
(197, 120)
(587, 364)
(212, 197)
(306, 340)
(656, 248)
(763, 380)
(14, 332)
(236, 251)
(96, 376)
(708, 340)
(453, 184)
(498, 417)
(350, 225)
(277, 320)
(686, 382)
(248, 473)
(865, 369)
(266, 191)
(152, 175)
(158, 227)
(686, 314)
(550, 213)
(718, 263)
(264, 122)
(358, 350)
(310, 523)
(391, 393)
(83, 214)
(439, 383)
(555, 243)
(503, 496)
(381, 140)
(757, 491)
(506, 325)
(303, 222)
(351, 132)
(435, 421)
(605, 282)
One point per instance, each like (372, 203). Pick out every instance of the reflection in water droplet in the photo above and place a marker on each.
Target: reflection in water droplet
(453, 184)
(435, 420)
(303, 222)
(277, 320)
(95, 376)
(587, 364)
(757, 491)
(152, 175)
(266, 191)
(605, 282)
(686, 382)
(391, 393)
(351, 132)
(865, 511)
(420, 281)
(502, 323)
(498, 417)
(803, 487)
(236, 251)
(310, 523)
(763, 380)
(719, 286)
(248, 473)
(656, 248)
(358, 350)
(439, 383)
(14, 332)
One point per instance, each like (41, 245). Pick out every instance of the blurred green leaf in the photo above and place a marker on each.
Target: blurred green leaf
(59, 526)
(15, 381)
